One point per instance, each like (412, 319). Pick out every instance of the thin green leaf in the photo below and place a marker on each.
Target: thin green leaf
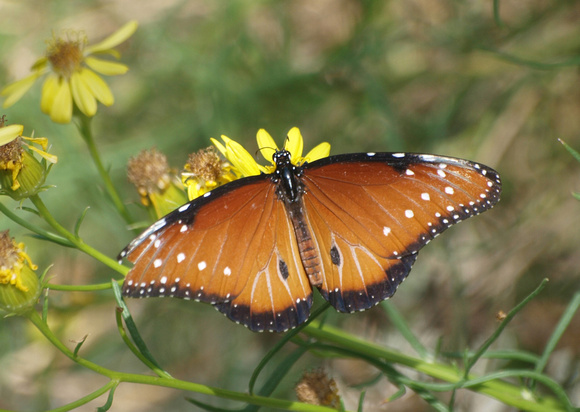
(513, 355)
(109, 402)
(372, 381)
(399, 394)
(133, 331)
(79, 344)
(291, 334)
(403, 328)
(207, 407)
(575, 61)
(30, 210)
(45, 306)
(559, 330)
(80, 221)
(277, 375)
(570, 150)
(473, 359)
(361, 400)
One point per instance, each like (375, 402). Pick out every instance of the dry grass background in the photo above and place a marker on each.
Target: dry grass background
(420, 75)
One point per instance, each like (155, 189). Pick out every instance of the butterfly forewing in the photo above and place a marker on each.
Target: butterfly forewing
(369, 229)
(235, 251)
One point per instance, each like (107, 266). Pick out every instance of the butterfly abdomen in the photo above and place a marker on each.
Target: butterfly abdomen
(308, 252)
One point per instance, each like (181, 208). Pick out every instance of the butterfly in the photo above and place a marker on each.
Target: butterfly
(349, 225)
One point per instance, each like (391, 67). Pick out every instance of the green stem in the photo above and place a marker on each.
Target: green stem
(33, 228)
(87, 134)
(77, 242)
(505, 392)
(81, 288)
(170, 382)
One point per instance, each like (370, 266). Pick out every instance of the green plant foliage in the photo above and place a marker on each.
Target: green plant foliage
(477, 319)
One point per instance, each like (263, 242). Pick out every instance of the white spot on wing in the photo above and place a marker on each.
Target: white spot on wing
(409, 213)
(157, 263)
(398, 154)
(202, 265)
(425, 196)
(227, 271)
(184, 207)
(180, 257)
(386, 231)
(163, 280)
(441, 173)
(183, 228)
(409, 172)
(449, 190)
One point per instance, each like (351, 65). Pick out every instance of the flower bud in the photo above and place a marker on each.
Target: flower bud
(19, 285)
(158, 186)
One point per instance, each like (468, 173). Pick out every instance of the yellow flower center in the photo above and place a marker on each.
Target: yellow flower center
(10, 154)
(205, 164)
(149, 172)
(12, 258)
(66, 56)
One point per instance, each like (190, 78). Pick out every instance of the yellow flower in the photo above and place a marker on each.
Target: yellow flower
(70, 67)
(21, 175)
(19, 285)
(158, 186)
(204, 171)
(245, 165)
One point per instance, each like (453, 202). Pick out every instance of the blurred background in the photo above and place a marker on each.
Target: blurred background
(436, 76)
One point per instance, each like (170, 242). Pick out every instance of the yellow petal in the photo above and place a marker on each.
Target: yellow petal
(320, 151)
(9, 133)
(82, 95)
(114, 39)
(40, 64)
(106, 67)
(61, 109)
(294, 144)
(240, 158)
(50, 157)
(16, 90)
(42, 141)
(219, 146)
(266, 144)
(98, 87)
(49, 89)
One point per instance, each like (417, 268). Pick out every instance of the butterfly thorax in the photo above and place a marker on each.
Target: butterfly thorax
(290, 190)
(286, 176)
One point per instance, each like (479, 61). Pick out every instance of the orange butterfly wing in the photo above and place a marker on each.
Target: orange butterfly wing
(370, 215)
(234, 249)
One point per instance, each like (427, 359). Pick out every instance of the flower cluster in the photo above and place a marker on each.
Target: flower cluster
(69, 67)
(205, 170)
